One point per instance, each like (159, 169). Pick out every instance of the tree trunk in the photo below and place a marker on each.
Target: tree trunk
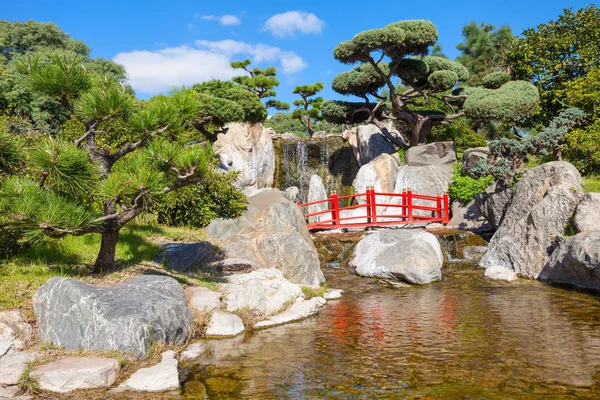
(105, 262)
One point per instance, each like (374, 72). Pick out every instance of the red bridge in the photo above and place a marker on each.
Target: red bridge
(377, 213)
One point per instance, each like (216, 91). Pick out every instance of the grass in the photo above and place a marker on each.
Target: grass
(591, 183)
(73, 256)
(310, 291)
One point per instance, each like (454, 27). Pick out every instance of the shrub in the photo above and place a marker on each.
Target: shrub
(582, 148)
(465, 188)
(460, 133)
(198, 205)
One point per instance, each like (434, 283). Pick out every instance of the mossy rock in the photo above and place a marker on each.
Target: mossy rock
(329, 249)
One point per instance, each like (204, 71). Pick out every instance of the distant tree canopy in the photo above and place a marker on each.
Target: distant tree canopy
(260, 82)
(41, 43)
(556, 53)
(394, 58)
(308, 107)
(484, 50)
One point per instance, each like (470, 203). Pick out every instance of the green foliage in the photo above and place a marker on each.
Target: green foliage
(556, 53)
(360, 81)
(506, 103)
(591, 183)
(260, 82)
(495, 80)
(484, 50)
(509, 156)
(465, 188)
(11, 152)
(308, 109)
(460, 132)
(197, 205)
(283, 123)
(582, 148)
(584, 93)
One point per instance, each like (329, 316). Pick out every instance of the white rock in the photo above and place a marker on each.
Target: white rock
(9, 391)
(333, 294)
(15, 334)
(224, 324)
(500, 273)
(380, 173)
(75, 373)
(158, 378)
(296, 312)
(203, 299)
(316, 192)
(264, 291)
(193, 351)
(12, 366)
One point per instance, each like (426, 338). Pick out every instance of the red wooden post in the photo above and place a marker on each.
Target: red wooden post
(335, 211)
(368, 204)
(409, 201)
(404, 209)
(438, 206)
(446, 208)
(373, 205)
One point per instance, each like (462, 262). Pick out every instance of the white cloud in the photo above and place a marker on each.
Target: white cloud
(291, 22)
(152, 72)
(226, 19)
(290, 61)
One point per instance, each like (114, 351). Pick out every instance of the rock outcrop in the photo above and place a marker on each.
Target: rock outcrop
(471, 158)
(247, 148)
(74, 373)
(15, 334)
(126, 317)
(271, 233)
(158, 378)
(467, 217)
(575, 262)
(185, 256)
(437, 153)
(316, 192)
(493, 203)
(264, 292)
(587, 215)
(380, 173)
(541, 207)
(368, 143)
(414, 256)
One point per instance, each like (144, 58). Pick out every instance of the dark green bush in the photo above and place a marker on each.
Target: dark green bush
(465, 188)
(582, 148)
(460, 133)
(198, 205)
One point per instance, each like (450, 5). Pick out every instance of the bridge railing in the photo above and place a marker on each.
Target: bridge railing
(377, 213)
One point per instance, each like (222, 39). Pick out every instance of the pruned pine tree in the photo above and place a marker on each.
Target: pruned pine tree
(308, 107)
(260, 82)
(82, 187)
(397, 81)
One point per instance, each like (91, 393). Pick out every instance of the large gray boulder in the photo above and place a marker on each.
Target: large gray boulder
(316, 192)
(127, 317)
(271, 233)
(576, 262)
(540, 209)
(414, 256)
(467, 216)
(247, 148)
(587, 215)
(379, 173)
(472, 157)
(368, 143)
(493, 203)
(438, 153)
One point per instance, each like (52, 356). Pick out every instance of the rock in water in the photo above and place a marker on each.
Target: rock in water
(316, 192)
(438, 153)
(540, 209)
(493, 203)
(471, 158)
(296, 312)
(224, 324)
(75, 373)
(15, 334)
(587, 216)
(273, 234)
(368, 143)
(576, 262)
(126, 317)
(159, 378)
(247, 148)
(413, 256)
(264, 291)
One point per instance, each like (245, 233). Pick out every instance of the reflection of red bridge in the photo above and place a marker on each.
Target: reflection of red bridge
(343, 217)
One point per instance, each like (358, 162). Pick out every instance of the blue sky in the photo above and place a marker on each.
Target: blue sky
(163, 43)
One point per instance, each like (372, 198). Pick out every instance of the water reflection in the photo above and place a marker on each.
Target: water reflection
(455, 339)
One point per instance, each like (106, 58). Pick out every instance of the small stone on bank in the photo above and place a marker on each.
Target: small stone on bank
(333, 294)
(159, 378)
(296, 312)
(193, 351)
(224, 324)
(75, 373)
(12, 366)
(203, 299)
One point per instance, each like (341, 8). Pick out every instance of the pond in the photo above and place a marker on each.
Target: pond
(462, 338)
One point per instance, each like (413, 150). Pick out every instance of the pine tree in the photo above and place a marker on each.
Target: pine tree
(260, 82)
(308, 109)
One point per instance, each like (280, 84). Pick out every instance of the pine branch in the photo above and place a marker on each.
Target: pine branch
(129, 147)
